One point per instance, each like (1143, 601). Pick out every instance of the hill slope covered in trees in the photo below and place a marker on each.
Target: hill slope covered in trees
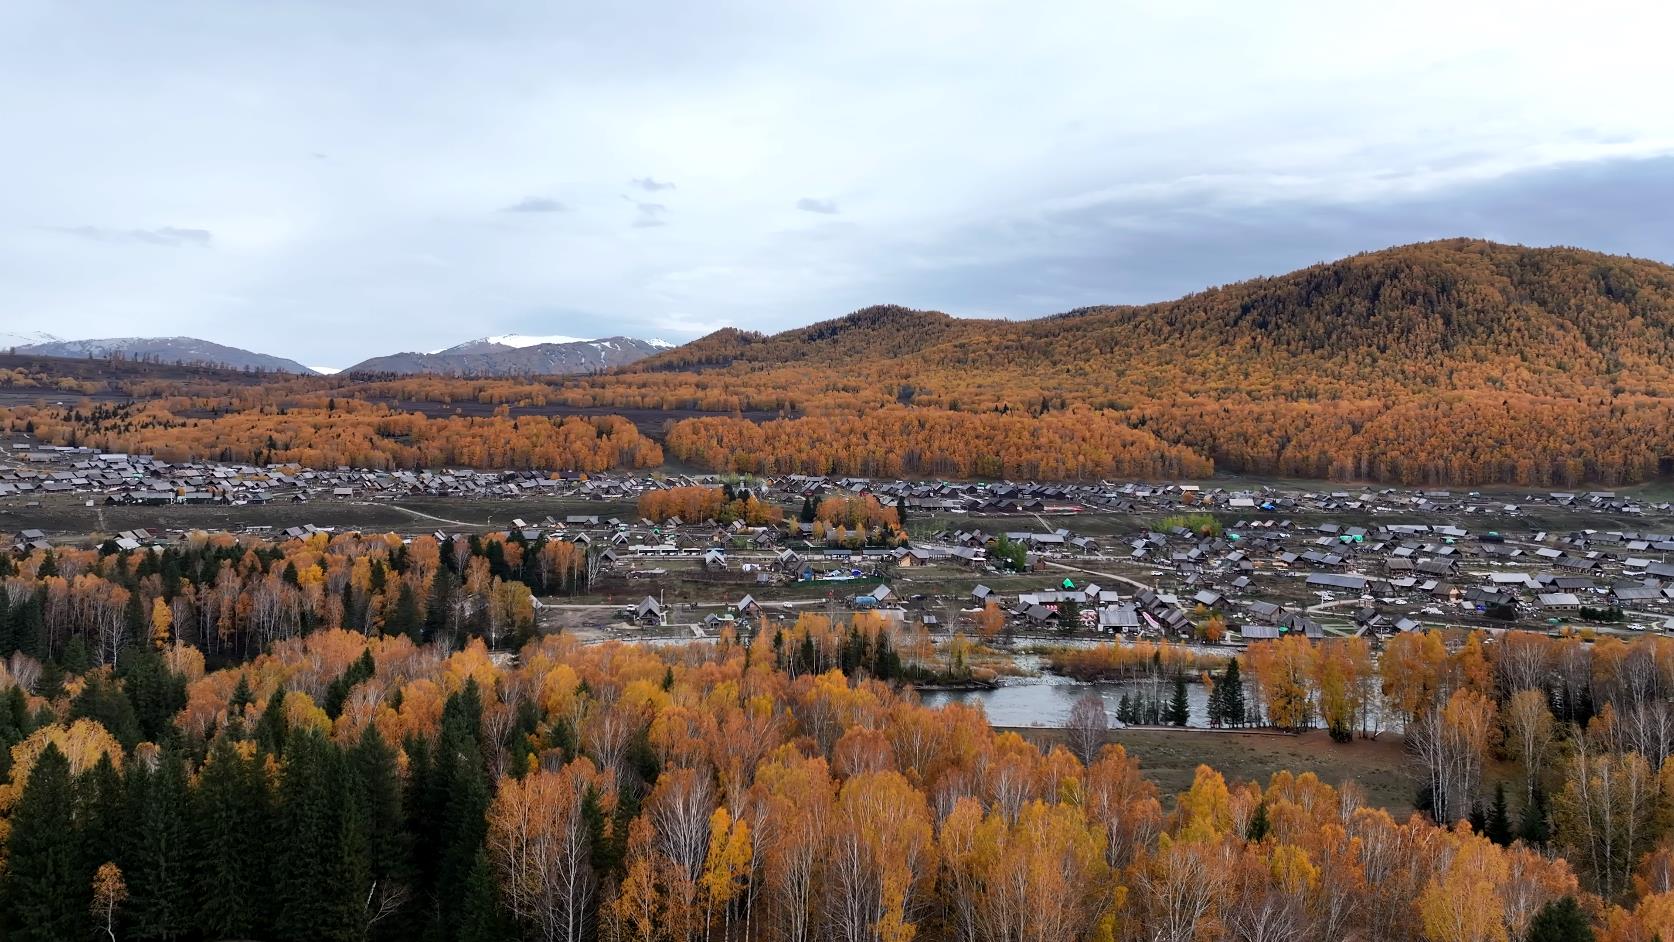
(1446, 362)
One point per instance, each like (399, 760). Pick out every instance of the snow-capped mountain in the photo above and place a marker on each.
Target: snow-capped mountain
(188, 350)
(519, 355)
(24, 338)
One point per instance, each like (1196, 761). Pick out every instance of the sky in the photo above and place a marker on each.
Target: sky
(331, 181)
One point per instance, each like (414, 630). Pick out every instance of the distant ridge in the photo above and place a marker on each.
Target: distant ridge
(181, 350)
(516, 355)
(24, 338)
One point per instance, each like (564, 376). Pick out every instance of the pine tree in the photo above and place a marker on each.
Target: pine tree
(1233, 709)
(15, 725)
(1532, 824)
(404, 619)
(388, 851)
(1478, 818)
(232, 822)
(1179, 709)
(363, 668)
(102, 815)
(157, 694)
(318, 870)
(273, 729)
(104, 702)
(161, 902)
(1561, 920)
(1498, 827)
(478, 917)
(1259, 824)
(7, 620)
(242, 696)
(43, 896)
(460, 784)
(438, 610)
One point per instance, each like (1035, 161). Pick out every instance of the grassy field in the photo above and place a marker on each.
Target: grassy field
(69, 518)
(1170, 758)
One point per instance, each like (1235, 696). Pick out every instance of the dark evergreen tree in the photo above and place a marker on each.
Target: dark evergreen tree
(1259, 825)
(134, 619)
(273, 729)
(319, 866)
(104, 702)
(155, 859)
(242, 696)
(76, 659)
(388, 848)
(479, 918)
(157, 693)
(1498, 826)
(1478, 818)
(403, 618)
(43, 896)
(1233, 708)
(1179, 708)
(7, 629)
(102, 815)
(438, 609)
(1562, 920)
(362, 669)
(15, 725)
(460, 793)
(1532, 823)
(233, 836)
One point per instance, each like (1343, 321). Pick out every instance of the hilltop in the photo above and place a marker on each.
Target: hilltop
(512, 356)
(1529, 318)
(1458, 361)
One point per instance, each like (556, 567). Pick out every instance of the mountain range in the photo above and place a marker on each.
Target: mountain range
(514, 355)
(502, 355)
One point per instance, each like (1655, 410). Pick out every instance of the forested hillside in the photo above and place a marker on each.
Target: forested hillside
(1448, 362)
(1455, 362)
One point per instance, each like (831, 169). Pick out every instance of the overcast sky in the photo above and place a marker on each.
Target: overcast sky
(327, 181)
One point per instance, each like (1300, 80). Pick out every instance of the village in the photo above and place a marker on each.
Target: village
(1213, 563)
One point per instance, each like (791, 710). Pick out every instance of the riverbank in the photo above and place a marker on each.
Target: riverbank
(1170, 758)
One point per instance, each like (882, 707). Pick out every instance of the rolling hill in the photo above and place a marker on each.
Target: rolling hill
(1458, 314)
(1458, 361)
(172, 350)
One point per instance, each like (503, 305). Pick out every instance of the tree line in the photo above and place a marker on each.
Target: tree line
(232, 597)
(352, 787)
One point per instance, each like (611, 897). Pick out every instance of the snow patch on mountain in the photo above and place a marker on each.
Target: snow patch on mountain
(522, 340)
(23, 338)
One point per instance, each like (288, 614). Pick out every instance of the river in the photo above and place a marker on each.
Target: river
(1046, 701)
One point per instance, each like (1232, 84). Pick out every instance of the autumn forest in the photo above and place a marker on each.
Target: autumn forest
(1456, 362)
(325, 738)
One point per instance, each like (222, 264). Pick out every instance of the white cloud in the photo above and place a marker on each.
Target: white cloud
(342, 167)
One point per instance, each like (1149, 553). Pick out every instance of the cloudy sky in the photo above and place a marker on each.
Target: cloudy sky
(331, 180)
